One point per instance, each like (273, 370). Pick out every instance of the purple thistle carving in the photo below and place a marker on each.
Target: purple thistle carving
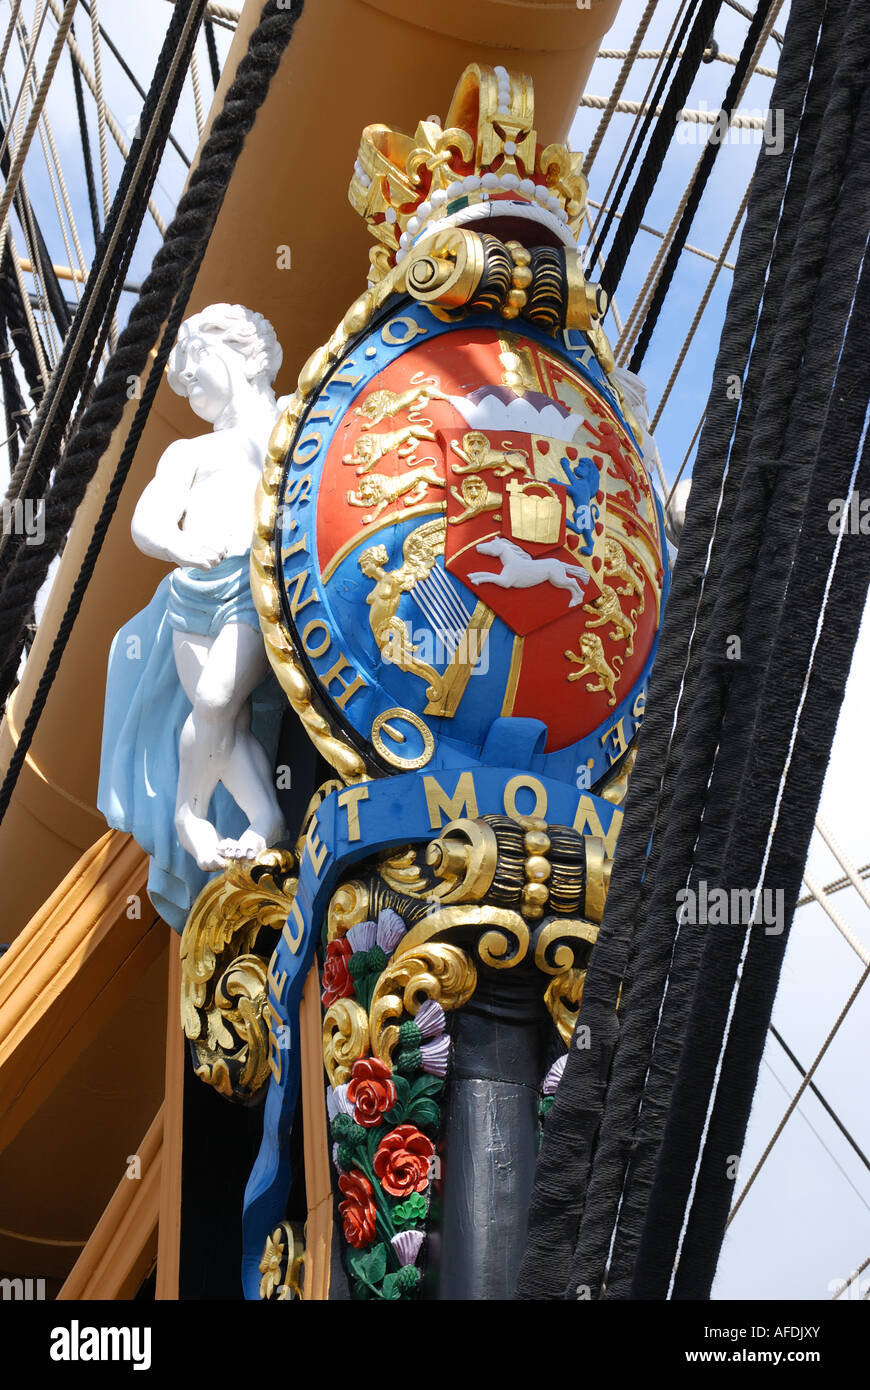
(407, 1246)
(554, 1076)
(362, 936)
(434, 1056)
(430, 1019)
(391, 929)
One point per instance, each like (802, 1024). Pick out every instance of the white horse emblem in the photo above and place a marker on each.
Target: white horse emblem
(521, 571)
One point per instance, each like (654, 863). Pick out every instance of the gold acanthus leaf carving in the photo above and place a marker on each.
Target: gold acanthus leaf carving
(345, 1038)
(434, 970)
(401, 872)
(562, 948)
(349, 904)
(223, 983)
(562, 997)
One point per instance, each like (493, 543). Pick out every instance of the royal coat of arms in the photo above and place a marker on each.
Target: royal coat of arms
(467, 520)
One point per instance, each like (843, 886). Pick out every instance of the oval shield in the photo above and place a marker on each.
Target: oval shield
(471, 552)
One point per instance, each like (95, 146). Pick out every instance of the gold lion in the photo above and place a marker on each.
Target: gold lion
(379, 491)
(475, 449)
(616, 566)
(378, 405)
(592, 661)
(607, 609)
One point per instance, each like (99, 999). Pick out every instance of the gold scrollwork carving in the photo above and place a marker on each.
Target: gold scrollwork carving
(562, 997)
(345, 1038)
(349, 904)
(401, 872)
(464, 858)
(562, 950)
(445, 272)
(434, 970)
(223, 983)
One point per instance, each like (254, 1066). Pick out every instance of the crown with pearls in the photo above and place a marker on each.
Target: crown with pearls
(488, 152)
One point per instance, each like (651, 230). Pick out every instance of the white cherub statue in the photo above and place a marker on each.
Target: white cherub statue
(189, 699)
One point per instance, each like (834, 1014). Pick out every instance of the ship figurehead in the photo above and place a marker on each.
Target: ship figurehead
(459, 566)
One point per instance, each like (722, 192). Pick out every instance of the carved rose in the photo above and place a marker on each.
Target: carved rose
(403, 1160)
(370, 1091)
(357, 1209)
(337, 983)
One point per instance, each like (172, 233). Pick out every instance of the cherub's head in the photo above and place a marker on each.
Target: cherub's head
(223, 354)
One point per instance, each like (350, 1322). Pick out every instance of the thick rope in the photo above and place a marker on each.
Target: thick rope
(169, 282)
(763, 533)
(211, 46)
(561, 1175)
(832, 579)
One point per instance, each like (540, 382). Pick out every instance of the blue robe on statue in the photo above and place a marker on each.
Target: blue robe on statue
(145, 711)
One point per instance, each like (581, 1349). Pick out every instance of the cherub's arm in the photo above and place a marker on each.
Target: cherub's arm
(156, 524)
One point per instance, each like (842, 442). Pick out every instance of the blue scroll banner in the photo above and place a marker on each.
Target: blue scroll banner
(350, 825)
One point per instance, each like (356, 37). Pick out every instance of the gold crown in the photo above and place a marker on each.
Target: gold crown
(487, 152)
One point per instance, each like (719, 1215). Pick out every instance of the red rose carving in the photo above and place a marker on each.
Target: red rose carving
(403, 1160)
(371, 1091)
(357, 1209)
(337, 983)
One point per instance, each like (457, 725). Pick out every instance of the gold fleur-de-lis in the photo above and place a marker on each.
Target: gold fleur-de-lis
(434, 150)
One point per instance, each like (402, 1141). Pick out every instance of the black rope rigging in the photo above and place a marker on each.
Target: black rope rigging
(78, 88)
(130, 74)
(43, 264)
(23, 570)
(651, 165)
(164, 298)
(747, 543)
(19, 328)
(15, 412)
(708, 159)
(211, 45)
